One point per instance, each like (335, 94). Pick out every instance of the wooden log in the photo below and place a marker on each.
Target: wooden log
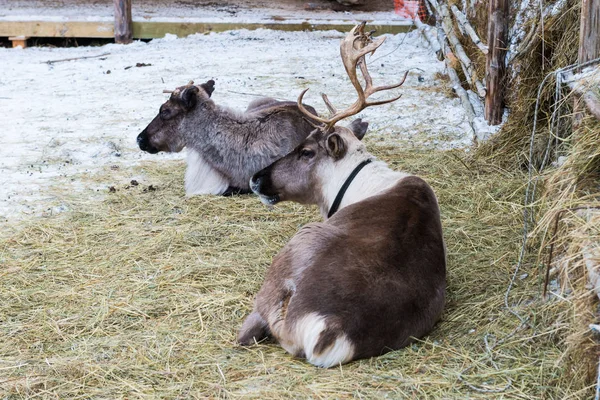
(19, 41)
(584, 93)
(123, 21)
(496, 60)
(148, 29)
(468, 29)
(458, 50)
(430, 37)
(456, 85)
(436, 7)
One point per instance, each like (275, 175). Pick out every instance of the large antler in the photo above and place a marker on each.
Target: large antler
(353, 49)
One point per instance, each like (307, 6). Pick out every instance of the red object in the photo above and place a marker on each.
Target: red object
(410, 9)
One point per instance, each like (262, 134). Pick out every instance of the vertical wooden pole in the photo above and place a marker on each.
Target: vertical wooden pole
(496, 60)
(589, 31)
(123, 22)
(589, 47)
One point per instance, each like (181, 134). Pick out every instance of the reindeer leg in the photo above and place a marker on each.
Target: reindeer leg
(254, 329)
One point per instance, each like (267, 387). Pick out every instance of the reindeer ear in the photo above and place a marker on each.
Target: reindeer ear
(209, 87)
(188, 97)
(359, 128)
(336, 146)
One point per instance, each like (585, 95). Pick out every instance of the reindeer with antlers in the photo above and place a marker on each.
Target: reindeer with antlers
(372, 276)
(226, 147)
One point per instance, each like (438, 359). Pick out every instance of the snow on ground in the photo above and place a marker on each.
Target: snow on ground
(64, 120)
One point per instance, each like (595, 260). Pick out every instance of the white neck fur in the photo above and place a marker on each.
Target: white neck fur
(371, 180)
(201, 177)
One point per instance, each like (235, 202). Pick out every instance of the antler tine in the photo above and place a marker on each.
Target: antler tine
(167, 91)
(353, 49)
(330, 106)
(307, 113)
(380, 102)
(370, 90)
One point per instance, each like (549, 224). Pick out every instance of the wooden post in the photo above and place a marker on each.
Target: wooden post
(589, 31)
(123, 22)
(495, 65)
(19, 41)
(589, 49)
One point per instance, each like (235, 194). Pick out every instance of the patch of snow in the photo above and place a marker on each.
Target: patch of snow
(70, 119)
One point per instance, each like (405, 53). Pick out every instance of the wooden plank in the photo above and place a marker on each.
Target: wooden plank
(57, 29)
(156, 29)
(123, 22)
(496, 60)
(149, 30)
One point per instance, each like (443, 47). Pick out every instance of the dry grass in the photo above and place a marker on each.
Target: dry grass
(140, 295)
(573, 196)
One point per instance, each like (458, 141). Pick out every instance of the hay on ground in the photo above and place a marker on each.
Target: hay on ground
(141, 294)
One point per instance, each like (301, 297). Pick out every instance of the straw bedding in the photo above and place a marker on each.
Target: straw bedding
(140, 295)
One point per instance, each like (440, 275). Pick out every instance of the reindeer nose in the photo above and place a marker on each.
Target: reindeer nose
(261, 180)
(144, 143)
(142, 140)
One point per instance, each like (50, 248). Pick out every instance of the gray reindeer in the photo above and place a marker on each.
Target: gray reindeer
(226, 147)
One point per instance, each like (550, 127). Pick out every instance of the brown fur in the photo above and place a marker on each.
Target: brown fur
(375, 270)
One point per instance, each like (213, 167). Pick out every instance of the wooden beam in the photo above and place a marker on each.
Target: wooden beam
(96, 29)
(123, 21)
(149, 29)
(496, 60)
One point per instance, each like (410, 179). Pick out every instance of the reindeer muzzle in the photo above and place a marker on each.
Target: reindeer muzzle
(261, 185)
(144, 143)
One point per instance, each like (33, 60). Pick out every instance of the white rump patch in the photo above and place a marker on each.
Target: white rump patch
(201, 177)
(306, 334)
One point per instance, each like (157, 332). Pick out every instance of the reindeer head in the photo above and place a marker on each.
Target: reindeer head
(302, 175)
(163, 133)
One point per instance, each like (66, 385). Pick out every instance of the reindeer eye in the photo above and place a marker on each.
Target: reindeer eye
(165, 113)
(307, 153)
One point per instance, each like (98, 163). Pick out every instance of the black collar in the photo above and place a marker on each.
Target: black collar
(342, 192)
